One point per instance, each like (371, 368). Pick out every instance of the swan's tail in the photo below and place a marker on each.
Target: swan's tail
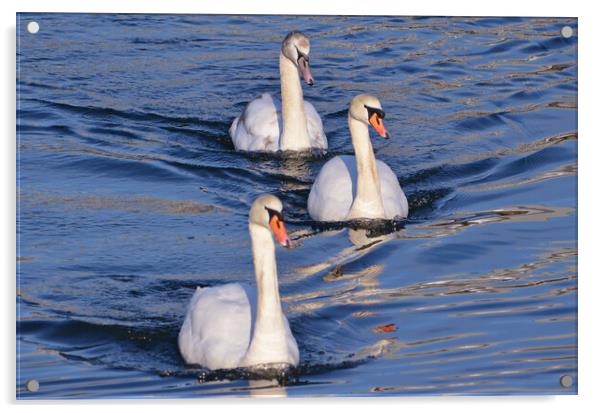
(233, 127)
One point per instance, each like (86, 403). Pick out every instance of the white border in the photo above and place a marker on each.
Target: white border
(589, 193)
(352, 7)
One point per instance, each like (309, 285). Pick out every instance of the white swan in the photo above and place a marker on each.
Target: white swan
(261, 127)
(217, 331)
(352, 187)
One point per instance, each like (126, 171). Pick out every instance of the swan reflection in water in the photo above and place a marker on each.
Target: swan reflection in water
(364, 237)
(266, 388)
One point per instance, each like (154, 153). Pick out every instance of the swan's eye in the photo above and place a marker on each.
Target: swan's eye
(274, 216)
(375, 111)
(302, 58)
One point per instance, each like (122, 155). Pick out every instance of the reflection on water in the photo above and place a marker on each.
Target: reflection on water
(131, 196)
(461, 222)
(266, 388)
(365, 238)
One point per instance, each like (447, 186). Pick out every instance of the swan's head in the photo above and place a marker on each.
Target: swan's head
(367, 109)
(295, 47)
(266, 212)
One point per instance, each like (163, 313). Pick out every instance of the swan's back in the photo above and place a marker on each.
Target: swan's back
(334, 190)
(217, 327)
(257, 128)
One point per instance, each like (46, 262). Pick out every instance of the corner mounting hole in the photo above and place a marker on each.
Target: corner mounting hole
(33, 27)
(32, 385)
(566, 32)
(566, 381)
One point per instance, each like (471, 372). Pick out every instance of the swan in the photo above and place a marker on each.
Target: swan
(217, 332)
(355, 187)
(262, 127)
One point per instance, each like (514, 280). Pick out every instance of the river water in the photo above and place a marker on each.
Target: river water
(130, 195)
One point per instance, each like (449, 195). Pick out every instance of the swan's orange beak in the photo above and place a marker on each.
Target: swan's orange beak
(277, 226)
(377, 122)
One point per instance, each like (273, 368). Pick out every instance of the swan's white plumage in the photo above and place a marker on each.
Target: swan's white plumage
(231, 326)
(268, 125)
(217, 327)
(360, 186)
(314, 127)
(334, 190)
(258, 129)
(271, 340)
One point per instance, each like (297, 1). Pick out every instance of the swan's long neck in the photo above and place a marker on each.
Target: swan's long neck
(368, 202)
(294, 134)
(268, 344)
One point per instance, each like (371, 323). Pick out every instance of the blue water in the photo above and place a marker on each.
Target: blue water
(130, 195)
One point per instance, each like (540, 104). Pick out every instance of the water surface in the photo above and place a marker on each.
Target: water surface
(130, 195)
